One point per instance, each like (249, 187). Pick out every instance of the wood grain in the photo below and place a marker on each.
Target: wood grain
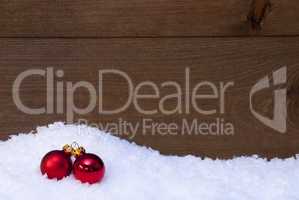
(242, 60)
(147, 18)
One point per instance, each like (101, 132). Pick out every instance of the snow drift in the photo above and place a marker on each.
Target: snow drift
(135, 172)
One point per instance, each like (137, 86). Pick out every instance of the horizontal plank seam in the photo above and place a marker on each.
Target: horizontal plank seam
(145, 37)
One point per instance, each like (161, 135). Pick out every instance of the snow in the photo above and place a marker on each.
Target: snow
(135, 172)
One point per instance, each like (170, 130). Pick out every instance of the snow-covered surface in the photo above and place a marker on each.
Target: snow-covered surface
(134, 172)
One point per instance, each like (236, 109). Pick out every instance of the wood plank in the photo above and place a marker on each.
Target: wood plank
(147, 18)
(241, 60)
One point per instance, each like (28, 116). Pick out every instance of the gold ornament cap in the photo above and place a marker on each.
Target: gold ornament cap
(78, 151)
(74, 149)
(67, 149)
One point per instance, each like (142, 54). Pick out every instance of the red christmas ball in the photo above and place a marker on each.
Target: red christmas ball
(89, 168)
(56, 164)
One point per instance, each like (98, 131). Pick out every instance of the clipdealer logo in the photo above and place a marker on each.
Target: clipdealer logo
(279, 121)
(186, 102)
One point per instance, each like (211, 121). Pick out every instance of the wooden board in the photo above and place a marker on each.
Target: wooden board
(146, 18)
(241, 60)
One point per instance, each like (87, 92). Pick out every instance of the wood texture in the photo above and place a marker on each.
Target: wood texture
(146, 18)
(242, 60)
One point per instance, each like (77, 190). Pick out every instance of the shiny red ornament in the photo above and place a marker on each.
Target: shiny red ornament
(89, 168)
(56, 164)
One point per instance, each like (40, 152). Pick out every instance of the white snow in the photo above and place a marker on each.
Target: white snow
(139, 173)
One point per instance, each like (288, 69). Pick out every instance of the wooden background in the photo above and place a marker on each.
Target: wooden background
(220, 40)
